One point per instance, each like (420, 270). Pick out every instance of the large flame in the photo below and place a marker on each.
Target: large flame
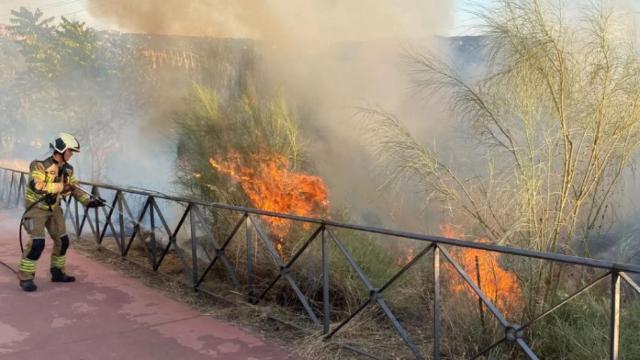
(271, 185)
(498, 284)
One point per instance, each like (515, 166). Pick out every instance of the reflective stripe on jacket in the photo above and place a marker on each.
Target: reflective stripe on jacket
(47, 179)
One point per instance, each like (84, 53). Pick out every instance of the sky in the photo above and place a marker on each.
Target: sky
(463, 22)
(72, 9)
(78, 10)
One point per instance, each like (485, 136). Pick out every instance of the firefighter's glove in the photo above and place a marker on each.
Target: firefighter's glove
(96, 202)
(67, 188)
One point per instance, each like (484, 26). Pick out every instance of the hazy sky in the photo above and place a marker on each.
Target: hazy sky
(463, 22)
(73, 9)
(78, 10)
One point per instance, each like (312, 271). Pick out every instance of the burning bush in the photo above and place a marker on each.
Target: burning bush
(499, 284)
(270, 185)
(248, 152)
(240, 128)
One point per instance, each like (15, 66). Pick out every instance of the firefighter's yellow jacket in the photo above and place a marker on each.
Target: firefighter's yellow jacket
(47, 178)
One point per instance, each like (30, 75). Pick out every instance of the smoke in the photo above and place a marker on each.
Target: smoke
(328, 57)
(280, 22)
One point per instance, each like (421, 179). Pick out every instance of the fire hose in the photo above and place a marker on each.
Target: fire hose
(23, 218)
(42, 198)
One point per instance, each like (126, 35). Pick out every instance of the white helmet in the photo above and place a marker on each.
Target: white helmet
(65, 141)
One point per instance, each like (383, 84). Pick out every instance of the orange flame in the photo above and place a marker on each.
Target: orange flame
(271, 185)
(499, 285)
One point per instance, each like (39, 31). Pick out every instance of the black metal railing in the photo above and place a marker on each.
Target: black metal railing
(120, 223)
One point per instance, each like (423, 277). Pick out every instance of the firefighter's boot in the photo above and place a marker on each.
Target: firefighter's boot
(28, 285)
(57, 275)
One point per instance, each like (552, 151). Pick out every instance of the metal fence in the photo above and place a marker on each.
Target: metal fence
(120, 223)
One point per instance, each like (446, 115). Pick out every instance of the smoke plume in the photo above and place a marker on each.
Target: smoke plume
(329, 57)
(279, 22)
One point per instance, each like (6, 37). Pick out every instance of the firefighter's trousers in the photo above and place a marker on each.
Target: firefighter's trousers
(36, 220)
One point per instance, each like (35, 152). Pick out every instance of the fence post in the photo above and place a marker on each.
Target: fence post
(436, 302)
(77, 217)
(152, 217)
(21, 184)
(121, 222)
(615, 314)
(94, 191)
(10, 189)
(194, 251)
(326, 306)
(250, 254)
(3, 175)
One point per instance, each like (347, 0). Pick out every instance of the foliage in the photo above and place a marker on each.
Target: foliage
(557, 114)
(245, 126)
(35, 35)
(75, 78)
(580, 330)
(12, 65)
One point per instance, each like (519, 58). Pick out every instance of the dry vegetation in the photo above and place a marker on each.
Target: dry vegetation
(556, 115)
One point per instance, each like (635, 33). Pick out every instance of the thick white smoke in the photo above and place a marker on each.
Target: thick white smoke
(329, 57)
(302, 23)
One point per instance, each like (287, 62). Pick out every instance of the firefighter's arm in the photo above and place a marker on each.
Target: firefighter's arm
(38, 177)
(80, 195)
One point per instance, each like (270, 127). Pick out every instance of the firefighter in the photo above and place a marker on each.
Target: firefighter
(49, 181)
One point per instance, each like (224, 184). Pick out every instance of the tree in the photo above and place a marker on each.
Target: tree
(13, 64)
(557, 113)
(76, 79)
(35, 35)
(246, 126)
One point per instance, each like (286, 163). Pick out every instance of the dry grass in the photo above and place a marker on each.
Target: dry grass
(410, 300)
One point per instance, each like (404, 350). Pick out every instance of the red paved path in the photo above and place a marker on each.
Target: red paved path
(106, 316)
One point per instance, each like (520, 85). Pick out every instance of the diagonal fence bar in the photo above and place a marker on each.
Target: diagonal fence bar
(513, 331)
(489, 348)
(173, 234)
(376, 295)
(291, 261)
(630, 281)
(284, 271)
(107, 220)
(220, 250)
(488, 303)
(566, 300)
